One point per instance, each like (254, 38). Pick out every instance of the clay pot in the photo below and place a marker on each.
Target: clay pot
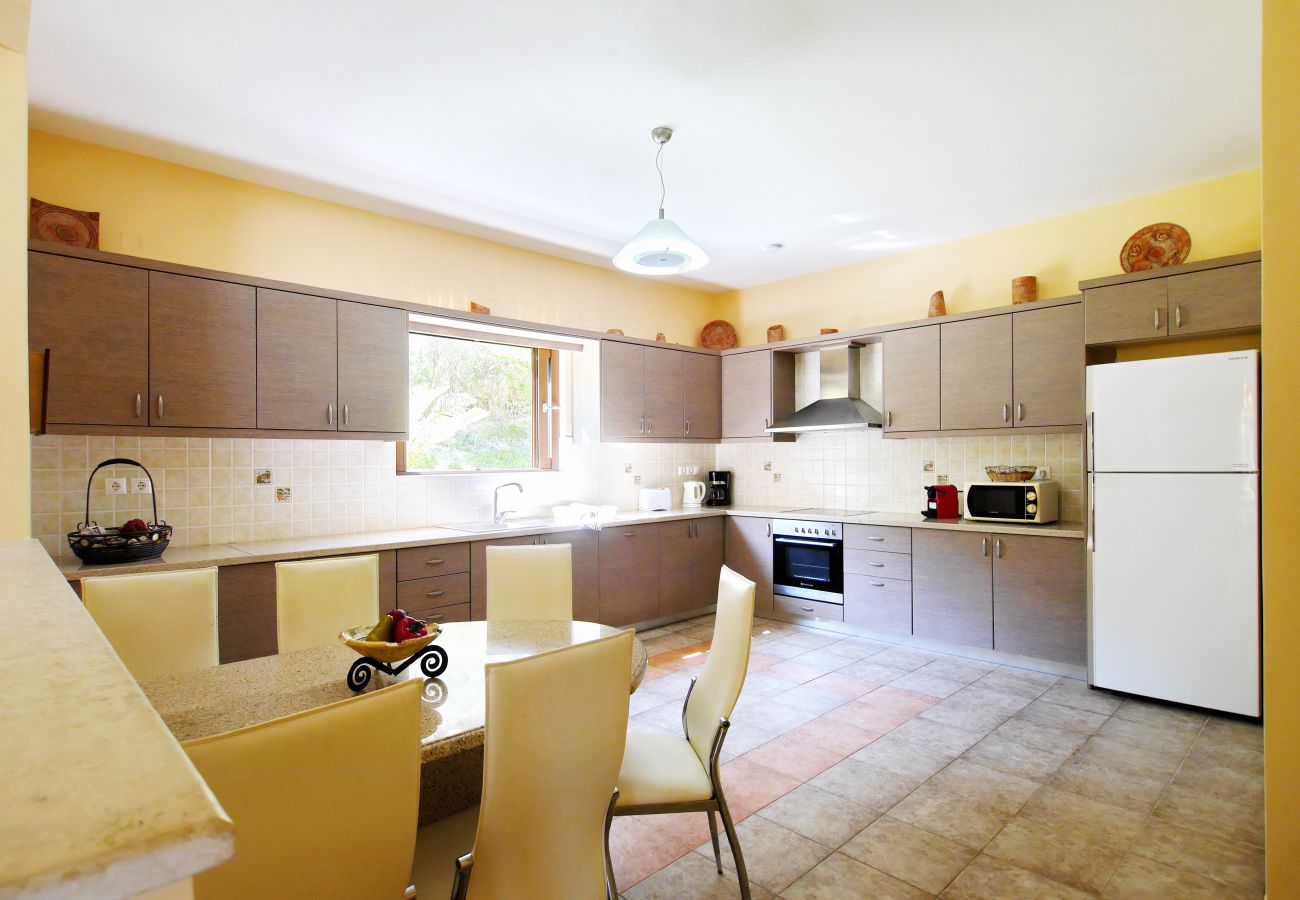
(830, 331)
(660, 337)
(479, 308)
(775, 333)
(937, 306)
(614, 331)
(1024, 289)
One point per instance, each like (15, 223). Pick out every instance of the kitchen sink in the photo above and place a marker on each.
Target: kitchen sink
(507, 525)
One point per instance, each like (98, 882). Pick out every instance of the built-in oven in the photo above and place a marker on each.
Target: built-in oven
(808, 560)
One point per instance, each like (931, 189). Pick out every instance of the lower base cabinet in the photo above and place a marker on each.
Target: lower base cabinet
(880, 604)
(690, 558)
(585, 551)
(749, 552)
(629, 574)
(952, 587)
(1040, 598)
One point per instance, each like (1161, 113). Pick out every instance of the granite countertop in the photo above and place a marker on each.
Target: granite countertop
(372, 541)
(99, 799)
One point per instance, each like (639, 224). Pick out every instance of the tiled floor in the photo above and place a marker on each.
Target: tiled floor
(864, 769)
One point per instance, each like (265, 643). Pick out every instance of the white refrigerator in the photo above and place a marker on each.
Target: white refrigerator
(1173, 529)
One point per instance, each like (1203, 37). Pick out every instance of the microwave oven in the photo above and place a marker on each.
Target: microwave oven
(1035, 502)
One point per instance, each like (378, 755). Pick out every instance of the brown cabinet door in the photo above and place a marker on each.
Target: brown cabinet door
(976, 373)
(622, 390)
(202, 352)
(911, 373)
(1215, 299)
(374, 368)
(952, 587)
(1049, 366)
(629, 574)
(586, 570)
(702, 395)
(94, 318)
(664, 389)
(749, 551)
(747, 394)
(880, 604)
(677, 592)
(1126, 312)
(297, 361)
(246, 620)
(478, 570)
(1040, 598)
(706, 559)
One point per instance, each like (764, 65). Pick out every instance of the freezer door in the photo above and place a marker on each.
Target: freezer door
(1173, 589)
(1180, 414)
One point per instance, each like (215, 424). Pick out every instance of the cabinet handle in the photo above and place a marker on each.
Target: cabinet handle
(806, 608)
(1178, 315)
(643, 424)
(767, 423)
(984, 546)
(329, 413)
(347, 414)
(1006, 412)
(138, 407)
(1155, 318)
(629, 534)
(1020, 411)
(434, 593)
(769, 527)
(160, 406)
(889, 418)
(434, 562)
(876, 583)
(437, 616)
(876, 565)
(997, 547)
(688, 426)
(649, 426)
(874, 538)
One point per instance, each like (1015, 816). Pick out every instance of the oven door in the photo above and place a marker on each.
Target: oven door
(808, 568)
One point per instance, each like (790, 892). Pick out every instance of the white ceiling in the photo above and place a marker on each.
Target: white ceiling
(844, 130)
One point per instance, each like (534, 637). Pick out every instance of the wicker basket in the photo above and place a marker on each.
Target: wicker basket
(115, 545)
(1010, 473)
(387, 651)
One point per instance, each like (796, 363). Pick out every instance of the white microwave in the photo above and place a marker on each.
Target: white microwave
(1033, 502)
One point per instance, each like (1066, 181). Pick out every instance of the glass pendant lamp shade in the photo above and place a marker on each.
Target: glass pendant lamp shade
(661, 248)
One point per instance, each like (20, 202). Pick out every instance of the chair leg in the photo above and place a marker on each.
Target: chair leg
(464, 868)
(713, 833)
(736, 853)
(611, 887)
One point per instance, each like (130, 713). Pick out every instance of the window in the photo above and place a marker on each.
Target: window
(478, 405)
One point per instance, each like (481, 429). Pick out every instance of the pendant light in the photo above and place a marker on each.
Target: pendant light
(661, 247)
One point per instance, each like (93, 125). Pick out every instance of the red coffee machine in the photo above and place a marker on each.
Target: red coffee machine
(941, 502)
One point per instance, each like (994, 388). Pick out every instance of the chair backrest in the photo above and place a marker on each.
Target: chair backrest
(160, 622)
(315, 599)
(718, 686)
(554, 733)
(325, 802)
(530, 582)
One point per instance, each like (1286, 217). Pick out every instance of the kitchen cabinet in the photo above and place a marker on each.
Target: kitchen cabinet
(690, 558)
(702, 395)
(297, 365)
(975, 373)
(1223, 299)
(664, 402)
(952, 587)
(911, 379)
(1040, 598)
(373, 368)
(585, 555)
(629, 574)
(622, 390)
(643, 392)
(878, 578)
(435, 559)
(809, 609)
(94, 319)
(202, 352)
(749, 551)
(1134, 311)
(1048, 365)
(757, 389)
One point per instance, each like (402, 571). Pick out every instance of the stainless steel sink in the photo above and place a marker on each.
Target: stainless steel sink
(507, 525)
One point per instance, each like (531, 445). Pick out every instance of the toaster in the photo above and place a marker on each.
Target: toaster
(654, 499)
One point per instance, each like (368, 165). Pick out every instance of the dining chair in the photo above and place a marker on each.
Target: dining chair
(324, 802)
(315, 599)
(158, 622)
(554, 729)
(530, 582)
(667, 773)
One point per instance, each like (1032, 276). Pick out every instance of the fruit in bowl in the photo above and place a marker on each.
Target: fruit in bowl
(394, 637)
(134, 526)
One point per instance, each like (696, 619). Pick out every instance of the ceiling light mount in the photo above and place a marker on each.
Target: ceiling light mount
(661, 247)
(661, 134)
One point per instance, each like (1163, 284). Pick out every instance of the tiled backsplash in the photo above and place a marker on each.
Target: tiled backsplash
(208, 490)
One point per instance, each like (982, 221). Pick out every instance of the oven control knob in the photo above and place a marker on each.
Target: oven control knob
(1031, 495)
(1031, 507)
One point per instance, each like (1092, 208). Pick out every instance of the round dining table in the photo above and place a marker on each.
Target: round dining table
(204, 702)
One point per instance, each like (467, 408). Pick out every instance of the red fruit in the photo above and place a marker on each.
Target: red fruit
(398, 615)
(134, 526)
(408, 628)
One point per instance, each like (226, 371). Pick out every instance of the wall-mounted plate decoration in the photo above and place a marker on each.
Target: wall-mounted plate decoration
(61, 225)
(1156, 246)
(719, 335)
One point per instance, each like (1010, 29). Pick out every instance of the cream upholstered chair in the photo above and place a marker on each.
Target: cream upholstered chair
(324, 802)
(554, 732)
(664, 773)
(530, 582)
(315, 599)
(160, 622)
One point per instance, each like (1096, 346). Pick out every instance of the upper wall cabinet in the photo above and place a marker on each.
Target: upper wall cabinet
(1048, 365)
(702, 395)
(1223, 299)
(911, 374)
(757, 389)
(297, 369)
(976, 373)
(641, 393)
(373, 368)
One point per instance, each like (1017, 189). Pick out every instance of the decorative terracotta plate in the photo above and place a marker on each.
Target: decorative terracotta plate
(61, 225)
(1156, 246)
(719, 335)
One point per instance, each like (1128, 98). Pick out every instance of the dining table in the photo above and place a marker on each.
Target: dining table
(203, 702)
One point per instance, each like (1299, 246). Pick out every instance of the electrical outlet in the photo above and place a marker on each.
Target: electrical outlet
(141, 485)
(776, 476)
(1044, 473)
(695, 470)
(627, 468)
(114, 485)
(767, 467)
(636, 479)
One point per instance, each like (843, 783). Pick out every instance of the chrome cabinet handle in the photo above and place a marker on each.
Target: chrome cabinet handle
(806, 608)
(877, 565)
(347, 414)
(876, 583)
(1155, 318)
(138, 405)
(434, 562)
(643, 424)
(889, 418)
(437, 616)
(329, 413)
(1020, 411)
(769, 527)
(1006, 412)
(1178, 315)
(997, 547)
(688, 426)
(984, 546)
(767, 423)
(629, 534)
(160, 406)
(649, 426)
(434, 593)
(871, 537)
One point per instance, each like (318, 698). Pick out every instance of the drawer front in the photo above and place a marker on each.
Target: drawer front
(809, 608)
(439, 559)
(427, 593)
(878, 603)
(442, 614)
(878, 537)
(897, 566)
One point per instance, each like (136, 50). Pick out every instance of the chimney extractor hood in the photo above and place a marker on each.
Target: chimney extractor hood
(840, 405)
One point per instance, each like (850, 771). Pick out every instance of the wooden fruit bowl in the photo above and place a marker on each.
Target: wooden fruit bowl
(387, 651)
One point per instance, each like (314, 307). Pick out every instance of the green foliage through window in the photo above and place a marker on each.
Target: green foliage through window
(471, 406)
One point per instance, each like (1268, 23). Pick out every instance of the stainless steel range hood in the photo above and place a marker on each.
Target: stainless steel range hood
(839, 404)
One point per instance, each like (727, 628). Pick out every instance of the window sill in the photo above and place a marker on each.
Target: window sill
(480, 473)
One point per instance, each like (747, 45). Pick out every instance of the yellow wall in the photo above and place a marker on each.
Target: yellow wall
(1281, 380)
(163, 211)
(15, 453)
(1222, 216)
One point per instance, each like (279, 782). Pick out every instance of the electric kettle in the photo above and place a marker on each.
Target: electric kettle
(692, 493)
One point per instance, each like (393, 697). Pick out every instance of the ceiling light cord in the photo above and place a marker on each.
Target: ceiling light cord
(663, 190)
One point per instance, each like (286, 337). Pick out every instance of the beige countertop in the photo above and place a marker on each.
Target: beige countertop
(99, 799)
(371, 541)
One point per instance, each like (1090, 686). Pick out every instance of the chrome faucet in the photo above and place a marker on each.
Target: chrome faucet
(499, 517)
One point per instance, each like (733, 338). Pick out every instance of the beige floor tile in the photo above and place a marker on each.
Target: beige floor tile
(1184, 808)
(876, 672)
(820, 815)
(854, 649)
(911, 854)
(969, 716)
(996, 790)
(1153, 713)
(774, 856)
(1018, 682)
(937, 736)
(1044, 737)
(909, 658)
(1077, 694)
(864, 784)
(991, 879)
(1224, 783)
(1069, 855)
(1235, 864)
(1108, 784)
(931, 685)
(998, 751)
(693, 878)
(1234, 731)
(1109, 824)
(963, 670)
(1153, 762)
(948, 815)
(838, 877)
(1231, 756)
(1139, 878)
(1044, 712)
(1174, 738)
(903, 757)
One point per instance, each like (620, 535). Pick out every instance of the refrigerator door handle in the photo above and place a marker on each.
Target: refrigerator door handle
(1091, 425)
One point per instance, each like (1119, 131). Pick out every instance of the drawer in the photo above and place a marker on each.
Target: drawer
(427, 593)
(442, 614)
(897, 566)
(878, 603)
(889, 538)
(816, 609)
(439, 559)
